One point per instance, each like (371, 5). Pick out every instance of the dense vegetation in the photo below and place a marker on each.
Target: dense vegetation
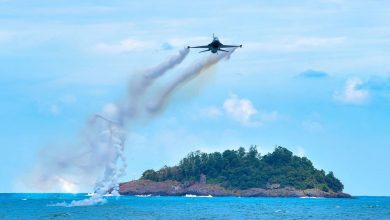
(242, 170)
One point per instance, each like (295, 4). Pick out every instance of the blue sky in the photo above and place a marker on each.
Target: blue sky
(312, 76)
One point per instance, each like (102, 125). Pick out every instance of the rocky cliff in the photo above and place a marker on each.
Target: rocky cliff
(174, 188)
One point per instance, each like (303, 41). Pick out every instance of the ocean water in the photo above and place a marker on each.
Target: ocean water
(38, 206)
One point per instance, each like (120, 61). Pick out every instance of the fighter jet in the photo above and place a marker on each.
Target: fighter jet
(215, 46)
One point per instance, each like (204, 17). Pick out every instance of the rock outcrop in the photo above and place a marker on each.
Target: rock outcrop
(174, 188)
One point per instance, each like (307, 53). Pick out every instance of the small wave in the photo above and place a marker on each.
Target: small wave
(148, 195)
(190, 195)
(193, 196)
(309, 197)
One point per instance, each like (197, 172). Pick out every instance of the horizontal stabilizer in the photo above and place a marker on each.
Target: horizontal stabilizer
(204, 51)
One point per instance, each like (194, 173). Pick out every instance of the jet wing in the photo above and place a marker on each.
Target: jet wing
(227, 46)
(205, 46)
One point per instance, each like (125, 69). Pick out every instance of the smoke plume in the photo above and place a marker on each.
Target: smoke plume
(140, 83)
(186, 76)
(99, 157)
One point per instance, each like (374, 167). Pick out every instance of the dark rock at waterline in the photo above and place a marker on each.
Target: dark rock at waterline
(174, 188)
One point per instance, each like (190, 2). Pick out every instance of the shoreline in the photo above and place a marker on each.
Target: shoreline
(174, 188)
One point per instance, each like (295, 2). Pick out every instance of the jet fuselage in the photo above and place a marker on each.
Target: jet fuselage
(215, 46)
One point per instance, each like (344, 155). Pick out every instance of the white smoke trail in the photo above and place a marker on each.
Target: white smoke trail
(153, 73)
(140, 83)
(104, 140)
(186, 76)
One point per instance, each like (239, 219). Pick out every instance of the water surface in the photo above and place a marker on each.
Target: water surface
(38, 206)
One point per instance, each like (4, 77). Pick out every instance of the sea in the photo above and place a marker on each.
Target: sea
(46, 206)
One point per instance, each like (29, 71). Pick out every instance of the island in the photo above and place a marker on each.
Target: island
(238, 173)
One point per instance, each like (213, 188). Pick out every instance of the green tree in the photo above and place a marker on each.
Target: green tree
(333, 183)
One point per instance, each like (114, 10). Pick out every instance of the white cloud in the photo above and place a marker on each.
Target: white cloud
(352, 93)
(240, 110)
(295, 45)
(125, 46)
(243, 111)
